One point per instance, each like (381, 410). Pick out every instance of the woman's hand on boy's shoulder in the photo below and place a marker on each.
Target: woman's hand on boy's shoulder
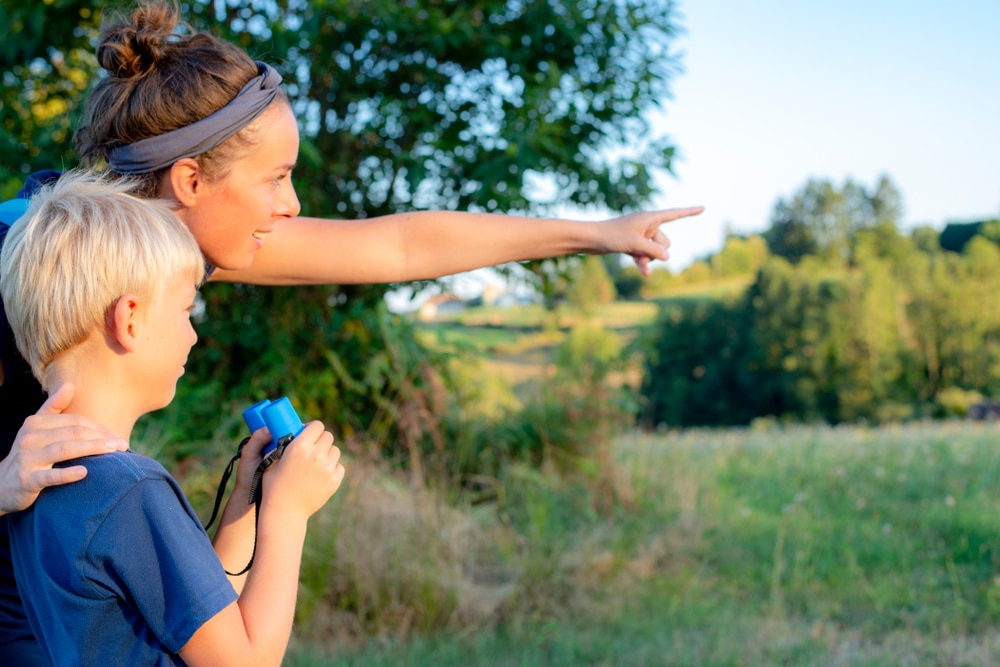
(46, 438)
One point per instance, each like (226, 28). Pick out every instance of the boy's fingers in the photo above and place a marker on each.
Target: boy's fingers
(338, 476)
(257, 440)
(325, 440)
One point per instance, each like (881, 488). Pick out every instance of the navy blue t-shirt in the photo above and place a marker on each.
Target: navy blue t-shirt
(20, 396)
(116, 569)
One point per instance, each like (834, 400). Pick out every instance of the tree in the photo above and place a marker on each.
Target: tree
(591, 286)
(47, 62)
(740, 256)
(823, 220)
(477, 106)
(628, 282)
(907, 325)
(502, 105)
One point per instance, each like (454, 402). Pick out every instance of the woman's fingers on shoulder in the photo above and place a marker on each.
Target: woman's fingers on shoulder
(47, 454)
(58, 476)
(58, 400)
(84, 443)
(57, 420)
(62, 434)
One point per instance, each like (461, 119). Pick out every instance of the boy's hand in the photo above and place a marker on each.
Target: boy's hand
(250, 458)
(306, 475)
(46, 438)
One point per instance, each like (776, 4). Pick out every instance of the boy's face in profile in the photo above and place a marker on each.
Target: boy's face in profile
(165, 338)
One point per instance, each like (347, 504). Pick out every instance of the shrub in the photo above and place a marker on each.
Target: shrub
(955, 401)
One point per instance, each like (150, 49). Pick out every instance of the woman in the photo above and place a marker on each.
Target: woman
(202, 125)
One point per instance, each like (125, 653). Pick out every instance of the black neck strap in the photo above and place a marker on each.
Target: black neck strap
(256, 491)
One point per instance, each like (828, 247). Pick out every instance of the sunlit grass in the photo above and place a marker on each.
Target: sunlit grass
(784, 546)
(517, 342)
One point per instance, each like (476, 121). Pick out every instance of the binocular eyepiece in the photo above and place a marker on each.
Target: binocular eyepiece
(280, 418)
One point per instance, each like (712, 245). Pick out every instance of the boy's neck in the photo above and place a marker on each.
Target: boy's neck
(101, 393)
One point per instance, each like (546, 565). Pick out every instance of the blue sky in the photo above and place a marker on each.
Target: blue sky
(777, 91)
(774, 92)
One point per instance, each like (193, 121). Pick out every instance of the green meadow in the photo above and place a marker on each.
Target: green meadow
(768, 545)
(771, 546)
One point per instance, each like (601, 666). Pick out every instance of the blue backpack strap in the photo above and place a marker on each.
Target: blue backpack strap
(11, 210)
(36, 181)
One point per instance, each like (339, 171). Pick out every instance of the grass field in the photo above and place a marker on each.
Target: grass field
(791, 546)
(516, 344)
(509, 324)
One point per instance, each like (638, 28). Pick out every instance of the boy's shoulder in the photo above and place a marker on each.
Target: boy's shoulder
(129, 462)
(128, 466)
(125, 498)
(112, 479)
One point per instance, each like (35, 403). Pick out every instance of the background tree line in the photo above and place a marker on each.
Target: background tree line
(847, 319)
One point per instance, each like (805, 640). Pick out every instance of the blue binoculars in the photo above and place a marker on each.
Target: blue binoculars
(280, 418)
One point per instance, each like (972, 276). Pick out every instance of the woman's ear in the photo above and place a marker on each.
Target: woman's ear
(124, 321)
(185, 181)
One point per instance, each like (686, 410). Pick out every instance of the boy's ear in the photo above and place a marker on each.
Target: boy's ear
(124, 321)
(187, 180)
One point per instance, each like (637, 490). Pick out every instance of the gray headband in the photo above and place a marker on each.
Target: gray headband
(163, 150)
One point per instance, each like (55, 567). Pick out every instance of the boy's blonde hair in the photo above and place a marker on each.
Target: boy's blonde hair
(83, 243)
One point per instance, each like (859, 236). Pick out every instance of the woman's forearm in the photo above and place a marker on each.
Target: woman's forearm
(407, 246)
(424, 245)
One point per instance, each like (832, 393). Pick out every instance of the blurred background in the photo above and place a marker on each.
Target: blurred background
(777, 449)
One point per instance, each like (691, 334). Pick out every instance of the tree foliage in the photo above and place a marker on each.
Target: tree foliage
(822, 220)
(891, 334)
(591, 285)
(47, 63)
(500, 105)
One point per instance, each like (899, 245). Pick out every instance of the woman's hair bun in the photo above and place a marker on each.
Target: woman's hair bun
(134, 45)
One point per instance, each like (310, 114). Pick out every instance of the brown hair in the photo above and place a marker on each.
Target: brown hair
(161, 80)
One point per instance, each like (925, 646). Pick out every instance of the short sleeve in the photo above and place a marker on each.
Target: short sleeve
(153, 549)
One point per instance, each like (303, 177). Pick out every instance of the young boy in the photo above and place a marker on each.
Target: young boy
(116, 569)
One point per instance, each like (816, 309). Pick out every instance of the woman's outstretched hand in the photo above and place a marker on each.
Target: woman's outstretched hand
(639, 234)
